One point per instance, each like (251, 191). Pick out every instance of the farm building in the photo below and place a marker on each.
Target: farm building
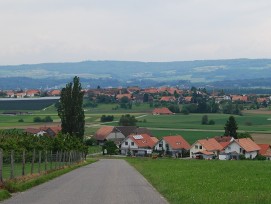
(161, 111)
(265, 150)
(118, 134)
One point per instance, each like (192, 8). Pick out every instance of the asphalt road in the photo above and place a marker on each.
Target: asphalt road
(108, 181)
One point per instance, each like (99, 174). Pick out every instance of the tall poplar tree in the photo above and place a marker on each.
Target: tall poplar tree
(70, 109)
(231, 127)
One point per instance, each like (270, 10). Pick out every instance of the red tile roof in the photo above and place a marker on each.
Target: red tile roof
(188, 98)
(210, 144)
(247, 144)
(223, 138)
(144, 141)
(265, 149)
(161, 111)
(168, 98)
(224, 144)
(177, 142)
(119, 96)
(103, 132)
(239, 98)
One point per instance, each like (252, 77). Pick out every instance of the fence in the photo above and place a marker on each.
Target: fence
(14, 164)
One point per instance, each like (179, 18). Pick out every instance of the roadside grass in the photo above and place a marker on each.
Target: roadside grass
(4, 194)
(199, 181)
(94, 149)
(19, 185)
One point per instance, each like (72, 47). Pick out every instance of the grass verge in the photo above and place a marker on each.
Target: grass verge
(194, 181)
(19, 185)
(4, 194)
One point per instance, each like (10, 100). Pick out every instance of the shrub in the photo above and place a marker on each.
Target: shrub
(248, 123)
(47, 119)
(185, 111)
(108, 118)
(242, 157)
(21, 120)
(37, 119)
(260, 157)
(90, 142)
(211, 122)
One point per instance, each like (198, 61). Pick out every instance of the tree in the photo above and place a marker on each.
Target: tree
(204, 120)
(231, 127)
(70, 109)
(127, 120)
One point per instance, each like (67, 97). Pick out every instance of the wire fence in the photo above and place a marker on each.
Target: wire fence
(15, 164)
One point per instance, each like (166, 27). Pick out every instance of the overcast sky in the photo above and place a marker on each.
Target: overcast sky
(35, 31)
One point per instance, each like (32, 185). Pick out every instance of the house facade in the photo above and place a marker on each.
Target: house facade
(138, 145)
(174, 145)
(243, 146)
(206, 148)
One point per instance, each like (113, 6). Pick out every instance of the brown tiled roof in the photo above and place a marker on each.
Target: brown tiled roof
(119, 96)
(103, 132)
(210, 144)
(32, 130)
(223, 138)
(139, 131)
(177, 142)
(161, 111)
(264, 148)
(247, 144)
(145, 141)
(168, 98)
(224, 144)
(125, 130)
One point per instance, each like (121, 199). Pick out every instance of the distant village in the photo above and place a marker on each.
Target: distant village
(137, 94)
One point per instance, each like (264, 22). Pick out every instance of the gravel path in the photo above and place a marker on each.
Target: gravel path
(108, 181)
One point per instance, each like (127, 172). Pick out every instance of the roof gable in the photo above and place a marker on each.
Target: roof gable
(210, 144)
(177, 142)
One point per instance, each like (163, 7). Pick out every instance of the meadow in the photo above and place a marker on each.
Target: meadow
(202, 181)
(257, 123)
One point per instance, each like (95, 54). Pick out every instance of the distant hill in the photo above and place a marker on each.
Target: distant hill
(123, 73)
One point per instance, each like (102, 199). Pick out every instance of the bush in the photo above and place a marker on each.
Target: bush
(90, 142)
(108, 118)
(37, 119)
(248, 123)
(260, 157)
(185, 111)
(47, 119)
(21, 120)
(110, 147)
(242, 157)
(211, 122)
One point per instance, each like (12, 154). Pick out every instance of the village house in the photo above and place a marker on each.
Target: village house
(243, 146)
(265, 150)
(50, 131)
(168, 99)
(138, 145)
(161, 111)
(117, 134)
(235, 98)
(205, 149)
(32, 93)
(174, 145)
(54, 92)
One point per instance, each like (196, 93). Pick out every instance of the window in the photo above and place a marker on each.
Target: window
(126, 143)
(229, 148)
(196, 147)
(132, 143)
(240, 150)
(200, 147)
(160, 145)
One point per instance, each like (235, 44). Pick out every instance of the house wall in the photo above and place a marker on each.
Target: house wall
(113, 135)
(124, 147)
(193, 149)
(234, 146)
(160, 148)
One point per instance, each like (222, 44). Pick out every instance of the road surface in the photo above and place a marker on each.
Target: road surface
(108, 181)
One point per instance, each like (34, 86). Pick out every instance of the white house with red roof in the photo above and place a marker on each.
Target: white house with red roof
(265, 150)
(173, 144)
(138, 145)
(205, 148)
(243, 146)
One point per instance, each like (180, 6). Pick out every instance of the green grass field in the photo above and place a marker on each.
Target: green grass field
(197, 181)
(188, 126)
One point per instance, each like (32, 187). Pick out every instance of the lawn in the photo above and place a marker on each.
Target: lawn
(248, 122)
(189, 136)
(201, 181)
